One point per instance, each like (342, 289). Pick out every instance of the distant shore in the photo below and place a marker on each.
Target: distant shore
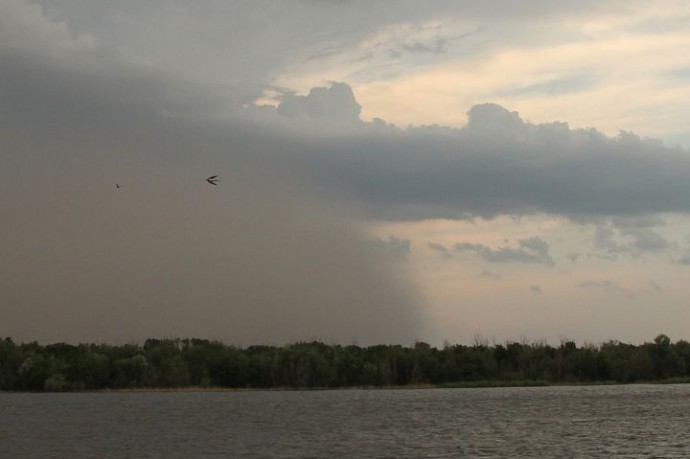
(203, 365)
(456, 385)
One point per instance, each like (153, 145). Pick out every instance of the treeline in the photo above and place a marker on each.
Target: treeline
(177, 363)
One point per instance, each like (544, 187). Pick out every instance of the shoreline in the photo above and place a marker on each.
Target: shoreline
(457, 385)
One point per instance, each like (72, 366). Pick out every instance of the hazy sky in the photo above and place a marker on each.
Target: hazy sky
(391, 171)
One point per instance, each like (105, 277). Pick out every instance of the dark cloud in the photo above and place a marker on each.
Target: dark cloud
(336, 103)
(242, 47)
(440, 249)
(646, 240)
(496, 164)
(532, 250)
(261, 258)
(603, 239)
(274, 253)
(630, 239)
(500, 164)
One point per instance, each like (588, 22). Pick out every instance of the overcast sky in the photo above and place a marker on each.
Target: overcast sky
(390, 171)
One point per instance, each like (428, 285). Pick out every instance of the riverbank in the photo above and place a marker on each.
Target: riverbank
(454, 385)
(197, 364)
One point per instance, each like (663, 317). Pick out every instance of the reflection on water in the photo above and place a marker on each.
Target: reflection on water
(592, 421)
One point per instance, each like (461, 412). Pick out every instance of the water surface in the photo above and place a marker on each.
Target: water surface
(636, 421)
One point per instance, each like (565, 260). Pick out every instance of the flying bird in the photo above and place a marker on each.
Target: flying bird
(213, 180)
(117, 185)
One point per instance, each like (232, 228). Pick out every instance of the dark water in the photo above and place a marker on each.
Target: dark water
(640, 421)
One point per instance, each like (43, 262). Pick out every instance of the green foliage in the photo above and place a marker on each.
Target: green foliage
(176, 363)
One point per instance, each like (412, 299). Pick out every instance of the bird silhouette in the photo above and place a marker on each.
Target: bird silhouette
(213, 180)
(117, 185)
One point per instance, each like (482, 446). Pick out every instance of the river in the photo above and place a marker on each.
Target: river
(635, 421)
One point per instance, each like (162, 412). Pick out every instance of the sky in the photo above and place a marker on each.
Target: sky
(391, 172)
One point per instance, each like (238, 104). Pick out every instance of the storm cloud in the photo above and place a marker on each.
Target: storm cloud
(280, 250)
(500, 164)
(532, 250)
(260, 258)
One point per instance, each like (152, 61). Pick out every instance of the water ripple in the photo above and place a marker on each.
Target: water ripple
(637, 421)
